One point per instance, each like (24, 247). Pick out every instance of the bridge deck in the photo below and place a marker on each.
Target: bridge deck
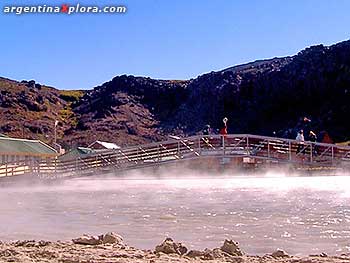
(241, 150)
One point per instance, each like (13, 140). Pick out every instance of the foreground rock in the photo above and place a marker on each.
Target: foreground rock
(112, 238)
(170, 247)
(231, 247)
(109, 248)
(87, 240)
(108, 238)
(279, 253)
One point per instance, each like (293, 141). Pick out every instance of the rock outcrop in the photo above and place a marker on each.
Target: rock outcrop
(231, 247)
(108, 238)
(168, 246)
(112, 238)
(88, 240)
(279, 253)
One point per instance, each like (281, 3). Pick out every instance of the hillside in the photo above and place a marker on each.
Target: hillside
(260, 97)
(29, 109)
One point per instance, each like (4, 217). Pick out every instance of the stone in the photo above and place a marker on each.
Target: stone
(24, 243)
(112, 238)
(279, 253)
(43, 243)
(231, 247)
(195, 253)
(87, 240)
(170, 247)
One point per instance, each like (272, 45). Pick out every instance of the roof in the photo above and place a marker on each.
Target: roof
(2, 135)
(106, 145)
(77, 152)
(84, 150)
(14, 146)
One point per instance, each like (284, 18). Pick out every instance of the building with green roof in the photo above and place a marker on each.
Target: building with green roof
(22, 153)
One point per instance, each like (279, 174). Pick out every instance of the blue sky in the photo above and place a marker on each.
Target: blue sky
(161, 39)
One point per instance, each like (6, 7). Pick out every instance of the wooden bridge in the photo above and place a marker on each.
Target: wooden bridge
(239, 151)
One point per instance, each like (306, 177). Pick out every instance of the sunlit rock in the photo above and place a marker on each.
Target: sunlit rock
(170, 247)
(279, 253)
(231, 247)
(87, 240)
(195, 253)
(112, 238)
(24, 243)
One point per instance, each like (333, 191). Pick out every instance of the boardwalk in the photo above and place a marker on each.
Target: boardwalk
(242, 151)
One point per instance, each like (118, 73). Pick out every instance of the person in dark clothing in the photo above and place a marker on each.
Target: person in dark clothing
(206, 130)
(313, 138)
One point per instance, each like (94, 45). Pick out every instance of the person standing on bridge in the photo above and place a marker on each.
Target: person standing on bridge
(206, 130)
(206, 133)
(223, 131)
(313, 138)
(300, 139)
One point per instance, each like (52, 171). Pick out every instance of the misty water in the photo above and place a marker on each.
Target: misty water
(303, 215)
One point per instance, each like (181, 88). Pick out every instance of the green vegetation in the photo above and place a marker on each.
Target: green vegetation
(67, 116)
(71, 95)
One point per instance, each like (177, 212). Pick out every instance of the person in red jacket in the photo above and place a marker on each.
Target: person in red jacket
(223, 130)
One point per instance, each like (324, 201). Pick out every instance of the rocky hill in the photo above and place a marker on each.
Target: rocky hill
(261, 97)
(29, 110)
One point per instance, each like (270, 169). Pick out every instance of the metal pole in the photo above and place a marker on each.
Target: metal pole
(223, 144)
(311, 153)
(199, 145)
(55, 134)
(248, 152)
(290, 150)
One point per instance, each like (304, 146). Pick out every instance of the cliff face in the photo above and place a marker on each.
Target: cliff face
(259, 97)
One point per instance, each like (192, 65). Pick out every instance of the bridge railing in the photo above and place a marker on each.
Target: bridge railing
(234, 146)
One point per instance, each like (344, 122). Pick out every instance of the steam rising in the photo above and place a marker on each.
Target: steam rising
(263, 212)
